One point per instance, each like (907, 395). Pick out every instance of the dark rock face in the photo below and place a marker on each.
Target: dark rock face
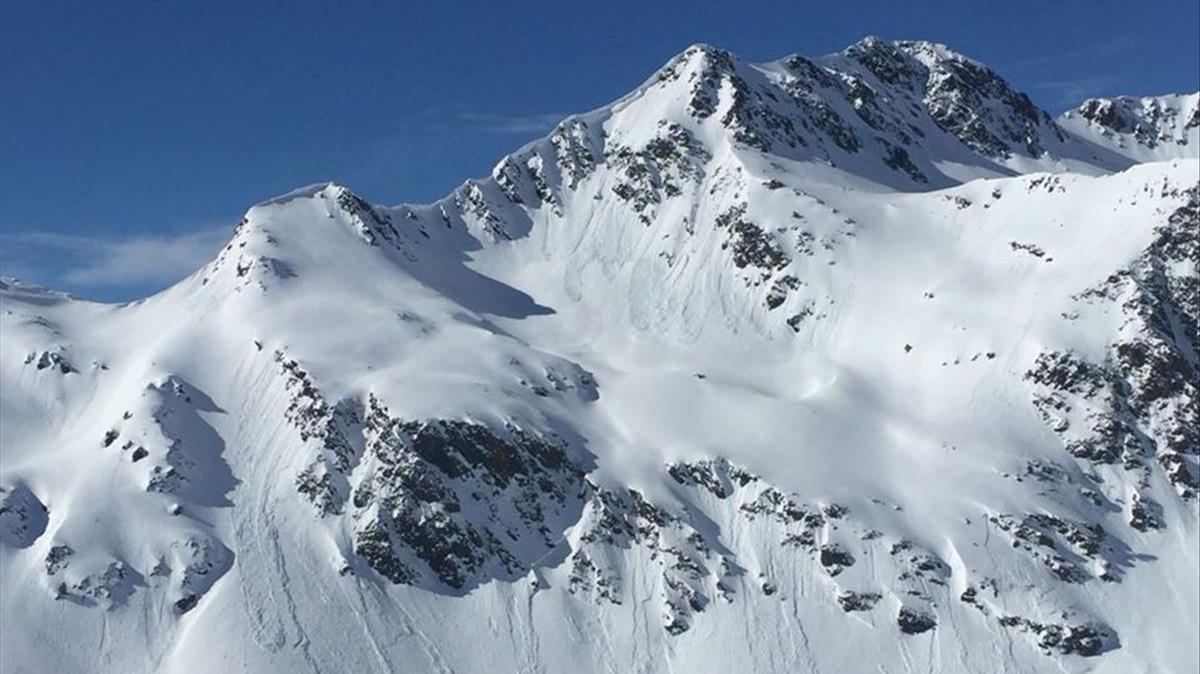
(1067, 639)
(834, 555)
(780, 288)
(472, 202)
(56, 559)
(23, 517)
(858, 601)
(110, 585)
(797, 115)
(186, 603)
(754, 120)
(323, 481)
(1078, 639)
(714, 67)
(658, 171)
(626, 520)
(897, 159)
(964, 86)
(796, 320)
(751, 246)
(817, 115)
(1145, 513)
(205, 559)
(718, 477)
(447, 505)
(456, 498)
(958, 92)
(1140, 407)
(51, 360)
(911, 621)
(1151, 122)
(425, 475)
(888, 63)
(374, 226)
(1068, 549)
(575, 151)
(695, 568)
(965, 99)
(523, 180)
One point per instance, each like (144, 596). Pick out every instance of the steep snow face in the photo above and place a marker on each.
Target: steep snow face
(1151, 128)
(753, 359)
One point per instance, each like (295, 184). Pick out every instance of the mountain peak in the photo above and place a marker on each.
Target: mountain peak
(1143, 128)
(932, 52)
(280, 236)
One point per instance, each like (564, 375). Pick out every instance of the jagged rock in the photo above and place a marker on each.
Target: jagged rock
(1142, 403)
(409, 507)
(717, 477)
(659, 170)
(835, 556)
(57, 558)
(1149, 122)
(751, 246)
(572, 143)
(55, 360)
(780, 289)
(912, 621)
(1068, 639)
(858, 601)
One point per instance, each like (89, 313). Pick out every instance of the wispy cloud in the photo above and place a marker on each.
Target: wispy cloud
(1070, 92)
(1063, 78)
(1121, 44)
(83, 262)
(513, 124)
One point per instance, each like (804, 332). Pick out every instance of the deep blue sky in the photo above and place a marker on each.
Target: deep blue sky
(133, 134)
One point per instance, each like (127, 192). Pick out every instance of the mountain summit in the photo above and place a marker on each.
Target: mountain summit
(824, 364)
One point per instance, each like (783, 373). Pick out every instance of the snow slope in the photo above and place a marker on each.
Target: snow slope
(836, 364)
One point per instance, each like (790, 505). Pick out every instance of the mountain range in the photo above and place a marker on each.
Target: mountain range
(849, 363)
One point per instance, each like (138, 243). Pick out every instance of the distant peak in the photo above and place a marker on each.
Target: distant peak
(1164, 126)
(894, 56)
(1119, 110)
(699, 53)
(700, 48)
(17, 287)
(339, 194)
(868, 44)
(306, 192)
(930, 53)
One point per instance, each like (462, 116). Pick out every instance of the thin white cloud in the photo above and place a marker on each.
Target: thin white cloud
(1072, 92)
(94, 262)
(516, 124)
(1118, 45)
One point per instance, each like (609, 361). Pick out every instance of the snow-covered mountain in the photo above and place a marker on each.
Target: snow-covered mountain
(1144, 129)
(861, 362)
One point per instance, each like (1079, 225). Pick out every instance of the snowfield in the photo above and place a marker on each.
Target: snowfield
(856, 363)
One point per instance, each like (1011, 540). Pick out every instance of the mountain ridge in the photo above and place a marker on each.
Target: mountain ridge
(706, 377)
